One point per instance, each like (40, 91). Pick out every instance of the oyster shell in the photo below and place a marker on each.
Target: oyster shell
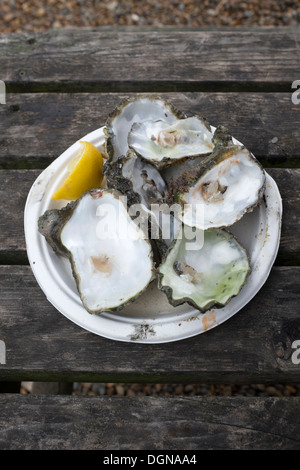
(162, 143)
(220, 189)
(140, 181)
(208, 275)
(110, 256)
(129, 111)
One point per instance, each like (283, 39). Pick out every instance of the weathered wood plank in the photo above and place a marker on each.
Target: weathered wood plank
(15, 185)
(37, 128)
(100, 60)
(148, 423)
(288, 183)
(14, 188)
(254, 346)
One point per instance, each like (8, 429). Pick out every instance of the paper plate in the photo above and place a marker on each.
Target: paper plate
(150, 319)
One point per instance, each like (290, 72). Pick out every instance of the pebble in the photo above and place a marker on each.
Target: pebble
(120, 390)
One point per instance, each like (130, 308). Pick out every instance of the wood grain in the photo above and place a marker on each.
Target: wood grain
(254, 346)
(148, 423)
(37, 128)
(111, 60)
(15, 185)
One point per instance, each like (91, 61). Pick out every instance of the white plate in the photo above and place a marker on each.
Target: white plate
(151, 319)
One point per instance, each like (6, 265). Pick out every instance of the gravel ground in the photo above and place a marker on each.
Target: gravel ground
(135, 389)
(123, 389)
(40, 15)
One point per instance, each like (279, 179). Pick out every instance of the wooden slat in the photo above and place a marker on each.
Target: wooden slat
(254, 346)
(148, 423)
(96, 60)
(14, 188)
(288, 182)
(15, 185)
(37, 128)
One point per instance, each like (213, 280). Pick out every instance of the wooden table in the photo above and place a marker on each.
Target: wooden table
(60, 86)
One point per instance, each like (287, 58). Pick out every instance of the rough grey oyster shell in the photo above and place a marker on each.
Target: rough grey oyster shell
(139, 181)
(164, 144)
(129, 111)
(111, 257)
(221, 188)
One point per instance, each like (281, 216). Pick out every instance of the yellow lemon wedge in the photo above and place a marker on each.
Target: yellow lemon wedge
(85, 172)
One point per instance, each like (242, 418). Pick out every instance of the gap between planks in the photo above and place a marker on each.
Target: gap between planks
(116, 86)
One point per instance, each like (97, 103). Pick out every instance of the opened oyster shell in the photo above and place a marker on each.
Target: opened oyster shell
(110, 256)
(140, 181)
(220, 189)
(206, 272)
(162, 143)
(129, 111)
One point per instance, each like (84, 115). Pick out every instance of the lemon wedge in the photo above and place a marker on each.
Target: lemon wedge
(85, 172)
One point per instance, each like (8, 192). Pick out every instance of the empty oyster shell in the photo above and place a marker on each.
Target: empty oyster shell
(220, 189)
(140, 181)
(129, 111)
(110, 256)
(162, 143)
(208, 275)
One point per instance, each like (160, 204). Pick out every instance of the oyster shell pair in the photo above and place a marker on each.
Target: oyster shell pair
(158, 157)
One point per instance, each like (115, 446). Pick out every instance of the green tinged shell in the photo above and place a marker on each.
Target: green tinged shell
(206, 277)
